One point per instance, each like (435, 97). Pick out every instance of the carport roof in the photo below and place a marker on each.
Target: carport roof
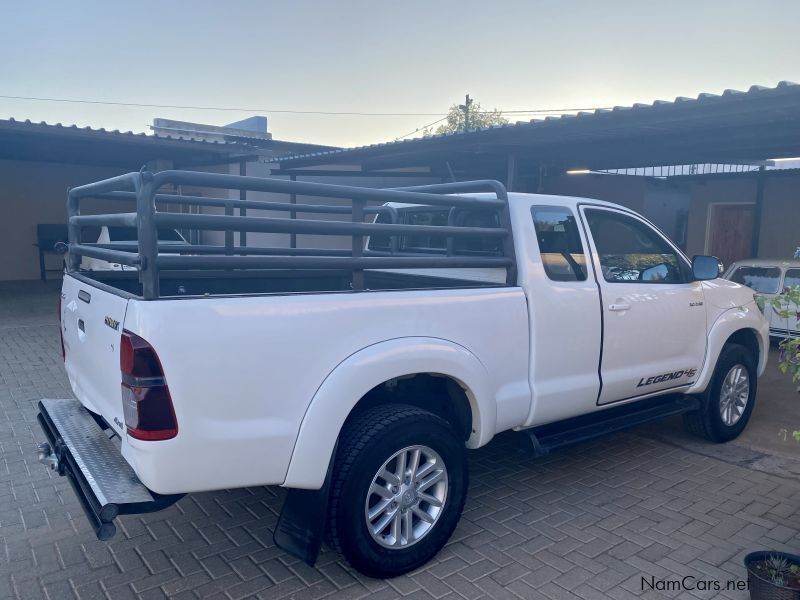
(736, 126)
(25, 140)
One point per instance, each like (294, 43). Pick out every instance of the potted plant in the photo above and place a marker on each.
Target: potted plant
(776, 575)
(786, 305)
(773, 575)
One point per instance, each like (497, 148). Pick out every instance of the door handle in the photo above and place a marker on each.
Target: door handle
(619, 306)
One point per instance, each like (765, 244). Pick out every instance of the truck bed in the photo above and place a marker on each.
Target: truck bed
(243, 371)
(291, 281)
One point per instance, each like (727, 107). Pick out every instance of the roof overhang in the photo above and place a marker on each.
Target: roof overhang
(733, 127)
(23, 140)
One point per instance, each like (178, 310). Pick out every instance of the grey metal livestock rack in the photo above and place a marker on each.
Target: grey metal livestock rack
(143, 188)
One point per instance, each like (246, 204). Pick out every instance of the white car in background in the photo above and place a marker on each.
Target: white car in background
(769, 277)
(123, 238)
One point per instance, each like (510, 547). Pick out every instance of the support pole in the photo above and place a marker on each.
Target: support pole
(73, 231)
(761, 180)
(358, 244)
(243, 196)
(511, 178)
(293, 214)
(148, 236)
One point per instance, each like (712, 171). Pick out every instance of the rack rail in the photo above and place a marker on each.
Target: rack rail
(144, 187)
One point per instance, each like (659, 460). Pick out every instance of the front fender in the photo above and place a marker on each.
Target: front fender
(371, 366)
(728, 323)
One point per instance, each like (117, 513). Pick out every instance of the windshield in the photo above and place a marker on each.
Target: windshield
(764, 280)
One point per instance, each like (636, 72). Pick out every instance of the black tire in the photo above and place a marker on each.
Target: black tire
(707, 422)
(368, 441)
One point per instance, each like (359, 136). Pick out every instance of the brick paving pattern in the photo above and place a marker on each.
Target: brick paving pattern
(586, 523)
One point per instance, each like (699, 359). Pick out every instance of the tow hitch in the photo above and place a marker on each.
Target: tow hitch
(46, 456)
(105, 484)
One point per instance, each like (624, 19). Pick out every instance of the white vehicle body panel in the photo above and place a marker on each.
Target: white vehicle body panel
(660, 327)
(261, 384)
(562, 385)
(725, 320)
(91, 344)
(242, 372)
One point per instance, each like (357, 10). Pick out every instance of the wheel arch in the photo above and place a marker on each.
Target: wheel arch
(361, 381)
(744, 326)
(749, 339)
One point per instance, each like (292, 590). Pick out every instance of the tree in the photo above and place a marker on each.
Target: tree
(467, 116)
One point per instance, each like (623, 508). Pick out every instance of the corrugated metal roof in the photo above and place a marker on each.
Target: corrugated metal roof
(702, 100)
(116, 134)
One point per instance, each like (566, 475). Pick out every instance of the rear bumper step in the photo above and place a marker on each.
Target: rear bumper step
(106, 485)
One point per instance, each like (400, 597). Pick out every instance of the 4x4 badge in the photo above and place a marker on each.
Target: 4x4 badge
(689, 373)
(113, 323)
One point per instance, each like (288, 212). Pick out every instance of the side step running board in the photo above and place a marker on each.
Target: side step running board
(547, 438)
(106, 485)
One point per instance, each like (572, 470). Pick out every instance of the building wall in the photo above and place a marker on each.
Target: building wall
(706, 192)
(663, 201)
(779, 234)
(33, 193)
(780, 221)
(282, 240)
(620, 189)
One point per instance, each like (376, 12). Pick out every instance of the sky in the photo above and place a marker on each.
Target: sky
(411, 56)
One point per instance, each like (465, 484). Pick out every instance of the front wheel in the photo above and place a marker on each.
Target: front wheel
(398, 488)
(730, 397)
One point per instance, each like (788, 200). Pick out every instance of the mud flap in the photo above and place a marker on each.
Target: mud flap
(302, 521)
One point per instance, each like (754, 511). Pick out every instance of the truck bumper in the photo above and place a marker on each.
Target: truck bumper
(79, 448)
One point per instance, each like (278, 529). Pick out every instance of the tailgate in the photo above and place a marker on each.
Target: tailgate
(91, 324)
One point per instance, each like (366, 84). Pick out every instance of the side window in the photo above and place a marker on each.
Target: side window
(764, 280)
(631, 251)
(559, 243)
(792, 278)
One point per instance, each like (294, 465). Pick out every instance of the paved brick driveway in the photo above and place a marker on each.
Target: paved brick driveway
(587, 523)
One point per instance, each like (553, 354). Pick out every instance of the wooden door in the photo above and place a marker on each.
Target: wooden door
(730, 232)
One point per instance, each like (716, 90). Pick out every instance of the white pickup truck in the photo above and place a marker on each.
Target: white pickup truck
(358, 378)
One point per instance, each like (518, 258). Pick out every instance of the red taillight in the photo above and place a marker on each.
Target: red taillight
(146, 402)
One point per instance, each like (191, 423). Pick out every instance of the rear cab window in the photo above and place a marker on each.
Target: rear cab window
(560, 244)
(427, 244)
(764, 280)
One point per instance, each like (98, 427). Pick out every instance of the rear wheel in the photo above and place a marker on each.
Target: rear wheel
(729, 399)
(398, 489)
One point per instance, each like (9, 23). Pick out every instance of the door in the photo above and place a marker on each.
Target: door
(564, 313)
(730, 232)
(654, 321)
(790, 325)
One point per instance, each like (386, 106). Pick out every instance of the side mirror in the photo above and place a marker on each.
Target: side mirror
(706, 267)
